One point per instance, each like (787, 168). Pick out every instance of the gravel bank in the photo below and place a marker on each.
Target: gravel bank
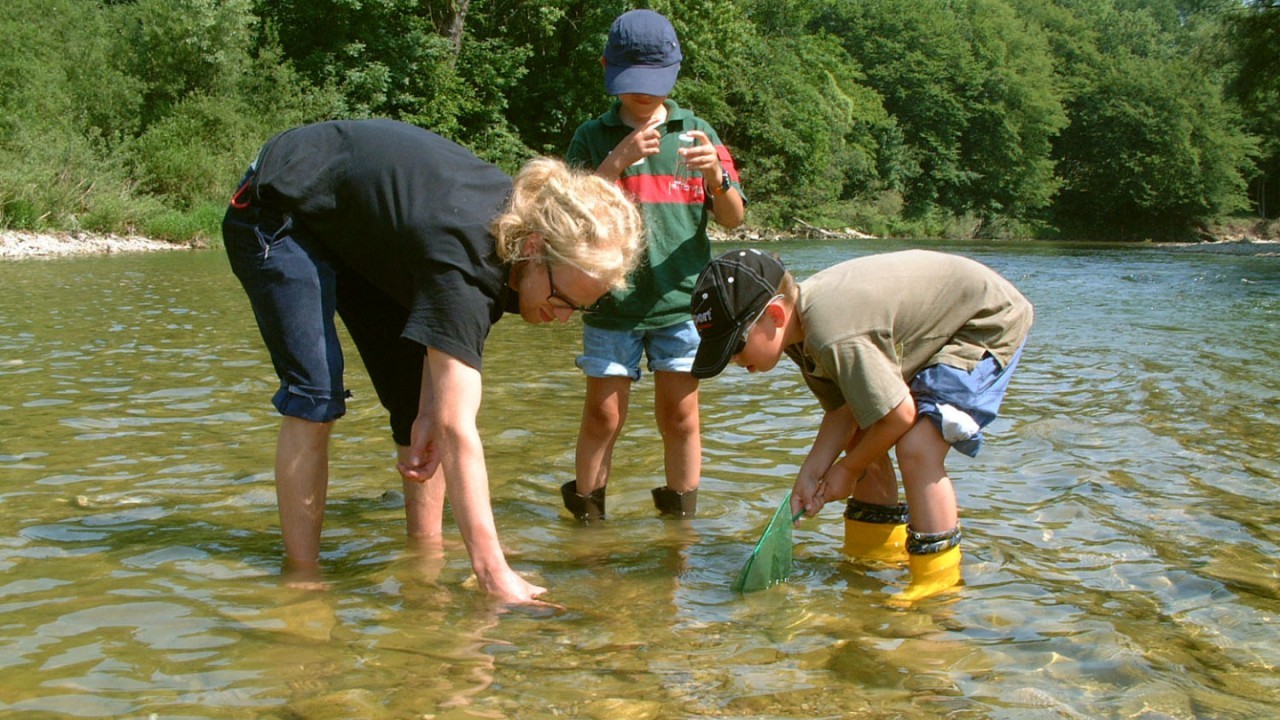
(17, 245)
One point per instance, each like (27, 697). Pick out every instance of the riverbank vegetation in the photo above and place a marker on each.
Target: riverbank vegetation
(1106, 119)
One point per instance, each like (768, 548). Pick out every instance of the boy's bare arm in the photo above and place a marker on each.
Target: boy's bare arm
(727, 206)
(636, 146)
(837, 483)
(834, 433)
(728, 209)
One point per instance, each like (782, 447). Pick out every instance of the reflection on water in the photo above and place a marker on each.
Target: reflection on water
(1121, 523)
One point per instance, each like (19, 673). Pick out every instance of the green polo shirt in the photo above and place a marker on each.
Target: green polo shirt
(675, 220)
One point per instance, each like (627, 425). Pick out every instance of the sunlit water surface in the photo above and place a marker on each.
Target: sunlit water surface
(1122, 523)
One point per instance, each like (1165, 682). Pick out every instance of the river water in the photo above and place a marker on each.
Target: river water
(1122, 524)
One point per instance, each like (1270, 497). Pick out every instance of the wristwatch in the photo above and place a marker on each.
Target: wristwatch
(723, 187)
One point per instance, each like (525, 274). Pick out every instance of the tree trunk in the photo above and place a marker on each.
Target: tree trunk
(454, 25)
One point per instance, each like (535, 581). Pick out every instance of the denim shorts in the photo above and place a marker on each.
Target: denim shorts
(616, 353)
(296, 287)
(971, 399)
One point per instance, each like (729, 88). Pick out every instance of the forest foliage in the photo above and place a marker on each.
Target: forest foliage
(1107, 119)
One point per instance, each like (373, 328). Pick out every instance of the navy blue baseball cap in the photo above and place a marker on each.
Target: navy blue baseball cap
(642, 55)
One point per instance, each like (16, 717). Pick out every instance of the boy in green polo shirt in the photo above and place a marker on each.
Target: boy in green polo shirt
(910, 351)
(637, 144)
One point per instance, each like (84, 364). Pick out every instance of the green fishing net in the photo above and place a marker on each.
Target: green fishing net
(770, 562)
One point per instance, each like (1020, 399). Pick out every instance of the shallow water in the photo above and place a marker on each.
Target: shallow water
(1121, 523)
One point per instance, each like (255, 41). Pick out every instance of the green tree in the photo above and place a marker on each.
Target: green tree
(1105, 116)
(61, 105)
(213, 90)
(419, 61)
(564, 41)
(177, 48)
(1152, 152)
(810, 141)
(1151, 149)
(972, 87)
(125, 116)
(1251, 38)
(1014, 116)
(554, 81)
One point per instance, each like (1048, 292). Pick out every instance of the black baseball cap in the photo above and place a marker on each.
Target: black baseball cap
(730, 293)
(642, 55)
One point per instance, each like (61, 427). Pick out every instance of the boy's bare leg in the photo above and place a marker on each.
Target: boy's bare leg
(879, 484)
(676, 410)
(603, 414)
(921, 457)
(875, 528)
(932, 502)
(302, 485)
(423, 504)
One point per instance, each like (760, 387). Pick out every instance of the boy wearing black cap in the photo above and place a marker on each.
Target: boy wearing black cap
(637, 144)
(883, 341)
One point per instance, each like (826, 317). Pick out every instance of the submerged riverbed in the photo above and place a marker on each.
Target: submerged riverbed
(1121, 524)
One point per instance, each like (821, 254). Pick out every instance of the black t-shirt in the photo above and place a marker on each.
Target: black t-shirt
(406, 209)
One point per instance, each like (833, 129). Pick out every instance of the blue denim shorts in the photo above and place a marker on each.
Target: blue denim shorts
(616, 353)
(961, 403)
(296, 287)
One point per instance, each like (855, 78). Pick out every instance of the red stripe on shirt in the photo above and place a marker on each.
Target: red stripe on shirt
(663, 188)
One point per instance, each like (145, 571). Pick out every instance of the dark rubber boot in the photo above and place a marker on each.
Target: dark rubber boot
(670, 502)
(587, 508)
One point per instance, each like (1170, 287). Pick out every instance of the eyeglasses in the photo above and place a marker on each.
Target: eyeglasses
(560, 301)
(746, 330)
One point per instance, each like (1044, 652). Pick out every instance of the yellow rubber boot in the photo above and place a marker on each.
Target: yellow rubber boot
(876, 533)
(930, 575)
(875, 542)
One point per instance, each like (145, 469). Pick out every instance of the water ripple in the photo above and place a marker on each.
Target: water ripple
(1122, 523)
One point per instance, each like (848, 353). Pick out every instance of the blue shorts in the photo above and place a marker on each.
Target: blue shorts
(961, 403)
(616, 353)
(296, 287)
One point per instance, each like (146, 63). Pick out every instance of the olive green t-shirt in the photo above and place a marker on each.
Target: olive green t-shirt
(872, 323)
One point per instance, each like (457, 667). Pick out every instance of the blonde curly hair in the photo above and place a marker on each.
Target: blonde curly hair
(585, 221)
